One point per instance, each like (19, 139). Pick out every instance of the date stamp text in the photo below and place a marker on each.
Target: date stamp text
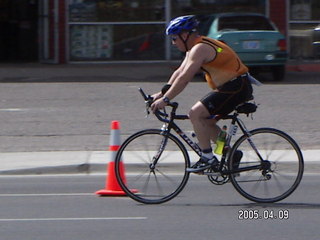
(263, 214)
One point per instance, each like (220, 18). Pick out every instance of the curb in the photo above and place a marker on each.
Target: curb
(315, 67)
(136, 72)
(148, 72)
(88, 162)
(54, 162)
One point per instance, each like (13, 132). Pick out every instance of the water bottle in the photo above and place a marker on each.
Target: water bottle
(221, 140)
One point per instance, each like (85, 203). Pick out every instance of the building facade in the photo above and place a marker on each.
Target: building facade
(69, 31)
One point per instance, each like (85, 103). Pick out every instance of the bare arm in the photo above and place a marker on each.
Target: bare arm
(178, 71)
(172, 79)
(198, 55)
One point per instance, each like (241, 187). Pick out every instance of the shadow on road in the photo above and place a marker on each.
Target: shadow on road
(254, 205)
(292, 78)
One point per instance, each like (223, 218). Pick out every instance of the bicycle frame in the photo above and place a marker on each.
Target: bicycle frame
(235, 122)
(170, 124)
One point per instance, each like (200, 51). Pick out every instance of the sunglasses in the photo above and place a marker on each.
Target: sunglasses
(174, 39)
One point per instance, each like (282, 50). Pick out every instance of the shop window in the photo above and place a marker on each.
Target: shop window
(305, 10)
(116, 30)
(182, 7)
(116, 11)
(116, 42)
(134, 29)
(303, 33)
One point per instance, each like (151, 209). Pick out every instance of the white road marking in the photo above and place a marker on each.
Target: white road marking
(12, 109)
(44, 194)
(69, 219)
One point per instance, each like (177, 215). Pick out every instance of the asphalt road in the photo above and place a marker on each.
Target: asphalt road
(65, 207)
(59, 116)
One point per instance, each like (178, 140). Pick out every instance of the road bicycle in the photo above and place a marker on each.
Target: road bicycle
(150, 165)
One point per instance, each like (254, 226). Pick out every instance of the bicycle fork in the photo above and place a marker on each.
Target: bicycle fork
(162, 146)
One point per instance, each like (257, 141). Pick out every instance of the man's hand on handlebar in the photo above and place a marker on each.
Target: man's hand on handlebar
(158, 104)
(156, 96)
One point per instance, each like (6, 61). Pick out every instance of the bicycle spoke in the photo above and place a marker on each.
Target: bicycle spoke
(170, 179)
(158, 185)
(147, 160)
(279, 157)
(278, 183)
(146, 184)
(285, 176)
(256, 185)
(138, 177)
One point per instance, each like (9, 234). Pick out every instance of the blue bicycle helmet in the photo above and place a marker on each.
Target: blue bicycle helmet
(183, 23)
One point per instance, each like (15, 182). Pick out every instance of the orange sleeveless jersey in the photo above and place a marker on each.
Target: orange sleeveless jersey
(224, 67)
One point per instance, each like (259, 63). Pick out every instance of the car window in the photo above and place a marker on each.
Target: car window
(244, 23)
(205, 22)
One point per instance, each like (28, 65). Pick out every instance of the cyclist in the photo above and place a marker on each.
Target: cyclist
(225, 74)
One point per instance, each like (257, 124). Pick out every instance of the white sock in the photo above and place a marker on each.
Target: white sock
(207, 155)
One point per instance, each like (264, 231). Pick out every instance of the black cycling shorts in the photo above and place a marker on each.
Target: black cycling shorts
(228, 96)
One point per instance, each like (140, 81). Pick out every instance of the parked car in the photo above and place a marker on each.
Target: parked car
(254, 37)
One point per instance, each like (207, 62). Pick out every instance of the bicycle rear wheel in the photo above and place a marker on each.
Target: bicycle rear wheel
(281, 170)
(150, 167)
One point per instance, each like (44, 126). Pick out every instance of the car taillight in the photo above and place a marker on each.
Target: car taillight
(282, 45)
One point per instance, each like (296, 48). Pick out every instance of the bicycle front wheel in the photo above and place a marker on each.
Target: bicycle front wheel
(280, 160)
(150, 166)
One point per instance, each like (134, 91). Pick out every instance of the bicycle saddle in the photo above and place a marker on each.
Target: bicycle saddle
(246, 108)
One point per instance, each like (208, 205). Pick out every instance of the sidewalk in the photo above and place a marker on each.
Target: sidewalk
(54, 162)
(88, 162)
(148, 72)
(36, 72)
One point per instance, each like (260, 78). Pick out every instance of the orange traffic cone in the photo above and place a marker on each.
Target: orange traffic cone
(112, 186)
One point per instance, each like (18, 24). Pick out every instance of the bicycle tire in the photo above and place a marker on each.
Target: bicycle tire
(134, 171)
(284, 174)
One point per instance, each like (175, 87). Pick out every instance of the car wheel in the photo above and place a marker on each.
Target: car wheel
(278, 73)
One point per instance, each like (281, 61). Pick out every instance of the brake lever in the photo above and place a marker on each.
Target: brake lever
(147, 109)
(148, 104)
